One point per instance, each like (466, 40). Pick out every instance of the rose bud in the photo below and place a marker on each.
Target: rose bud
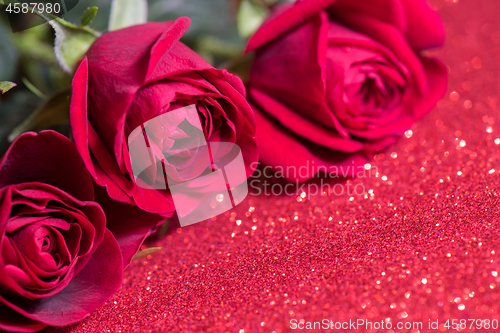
(58, 262)
(334, 82)
(133, 76)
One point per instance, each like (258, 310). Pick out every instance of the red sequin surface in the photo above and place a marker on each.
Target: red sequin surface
(422, 243)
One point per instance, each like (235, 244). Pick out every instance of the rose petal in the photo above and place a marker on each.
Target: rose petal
(12, 321)
(437, 78)
(391, 38)
(285, 21)
(320, 135)
(168, 38)
(78, 114)
(20, 221)
(47, 157)
(293, 70)
(307, 157)
(389, 11)
(425, 27)
(153, 100)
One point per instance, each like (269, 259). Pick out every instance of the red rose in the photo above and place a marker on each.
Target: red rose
(334, 82)
(58, 262)
(133, 75)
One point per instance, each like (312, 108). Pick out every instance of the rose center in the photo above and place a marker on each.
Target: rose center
(48, 244)
(373, 88)
(371, 94)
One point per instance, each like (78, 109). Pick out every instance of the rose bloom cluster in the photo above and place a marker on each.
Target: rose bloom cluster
(332, 82)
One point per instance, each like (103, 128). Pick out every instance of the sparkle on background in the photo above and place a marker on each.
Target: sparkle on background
(433, 229)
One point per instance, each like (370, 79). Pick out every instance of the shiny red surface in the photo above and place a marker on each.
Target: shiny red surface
(422, 244)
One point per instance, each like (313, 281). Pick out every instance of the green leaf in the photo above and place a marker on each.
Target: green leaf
(71, 44)
(88, 15)
(250, 17)
(8, 54)
(144, 253)
(6, 86)
(239, 66)
(53, 112)
(272, 2)
(218, 47)
(125, 13)
(162, 230)
(31, 46)
(208, 17)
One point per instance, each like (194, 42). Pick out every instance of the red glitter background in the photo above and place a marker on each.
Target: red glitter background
(421, 245)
